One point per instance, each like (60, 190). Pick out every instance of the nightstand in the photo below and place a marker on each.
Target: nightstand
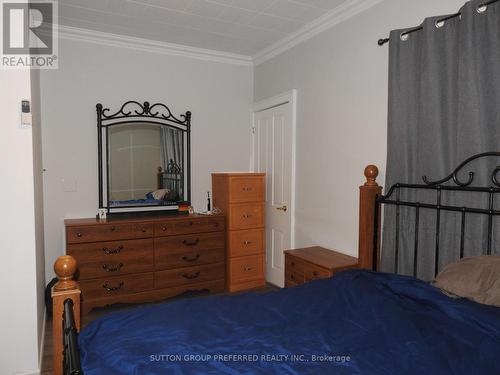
(312, 263)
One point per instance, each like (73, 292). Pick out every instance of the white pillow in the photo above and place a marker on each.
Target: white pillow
(160, 194)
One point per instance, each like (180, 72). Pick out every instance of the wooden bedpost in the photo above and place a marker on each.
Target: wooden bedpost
(65, 288)
(369, 246)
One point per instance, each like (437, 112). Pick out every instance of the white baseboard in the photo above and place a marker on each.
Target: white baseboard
(42, 340)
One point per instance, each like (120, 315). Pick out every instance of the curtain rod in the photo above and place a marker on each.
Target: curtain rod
(383, 41)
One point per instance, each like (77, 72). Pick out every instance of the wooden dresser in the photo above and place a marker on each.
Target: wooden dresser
(148, 258)
(241, 196)
(312, 263)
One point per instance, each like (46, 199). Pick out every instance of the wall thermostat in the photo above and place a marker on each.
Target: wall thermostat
(26, 118)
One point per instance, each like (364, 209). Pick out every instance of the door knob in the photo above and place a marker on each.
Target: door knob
(284, 208)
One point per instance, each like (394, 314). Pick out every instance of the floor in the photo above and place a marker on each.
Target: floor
(47, 365)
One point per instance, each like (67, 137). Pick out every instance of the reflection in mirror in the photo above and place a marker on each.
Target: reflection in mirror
(146, 164)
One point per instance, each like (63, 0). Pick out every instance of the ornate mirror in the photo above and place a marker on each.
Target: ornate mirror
(144, 158)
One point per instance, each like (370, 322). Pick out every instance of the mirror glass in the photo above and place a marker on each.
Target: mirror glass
(146, 165)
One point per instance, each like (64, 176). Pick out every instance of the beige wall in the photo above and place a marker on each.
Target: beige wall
(219, 95)
(21, 279)
(341, 78)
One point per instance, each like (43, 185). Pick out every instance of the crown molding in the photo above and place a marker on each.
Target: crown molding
(335, 16)
(147, 45)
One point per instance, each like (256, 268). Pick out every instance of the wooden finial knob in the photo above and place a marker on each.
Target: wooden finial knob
(371, 174)
(65, 268)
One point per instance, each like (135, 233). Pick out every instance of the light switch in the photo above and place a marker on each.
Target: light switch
(69, 185)
(26, 118)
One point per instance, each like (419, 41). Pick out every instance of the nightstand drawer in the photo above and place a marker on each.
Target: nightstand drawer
(295, 265)
(295, 277)
(313, 272)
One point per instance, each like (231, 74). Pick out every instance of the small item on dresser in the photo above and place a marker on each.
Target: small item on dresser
(183, 207)
(101, 214)
(209, 205)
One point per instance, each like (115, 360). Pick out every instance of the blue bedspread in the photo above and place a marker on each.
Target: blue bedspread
(359, 322)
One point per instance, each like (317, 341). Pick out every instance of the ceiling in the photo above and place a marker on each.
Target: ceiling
(236, 26)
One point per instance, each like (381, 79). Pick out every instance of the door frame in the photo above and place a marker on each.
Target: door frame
(276, 101)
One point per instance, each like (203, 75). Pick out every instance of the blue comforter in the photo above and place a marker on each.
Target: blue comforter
(358, 322)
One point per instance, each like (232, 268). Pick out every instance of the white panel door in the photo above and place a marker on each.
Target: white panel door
(273, 155)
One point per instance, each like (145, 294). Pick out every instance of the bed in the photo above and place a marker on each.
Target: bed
(168, 189)
(359, 322)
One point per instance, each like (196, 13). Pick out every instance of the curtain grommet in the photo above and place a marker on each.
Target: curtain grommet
(482, 8)
(439, 24)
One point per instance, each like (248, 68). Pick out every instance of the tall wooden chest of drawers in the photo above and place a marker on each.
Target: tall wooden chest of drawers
(143, 259)
(241, 196)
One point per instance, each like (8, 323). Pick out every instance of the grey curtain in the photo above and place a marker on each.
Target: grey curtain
(444, 106)
(171, 146)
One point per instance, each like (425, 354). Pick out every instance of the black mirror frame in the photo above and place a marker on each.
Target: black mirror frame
(158, 114)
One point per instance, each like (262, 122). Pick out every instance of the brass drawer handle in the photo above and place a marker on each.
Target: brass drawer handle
(248, 269)
(247, 189)
(112, 251)
(191, 276)
(144, 230)
(247, 242)
(79, 234)
(191, 259)
(113, 229)
(164, 228)
(109, 268)
(191, 243)
(113, 288)
(247, 216)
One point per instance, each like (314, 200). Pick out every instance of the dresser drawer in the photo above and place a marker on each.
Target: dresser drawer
(117, 285)
(103, 259)
(246, 268)
(108, 232)
(189, 250)
(110, 251)
(246, 189)
(246, 216)
(246, 242)
(189, 226)
(189, 275)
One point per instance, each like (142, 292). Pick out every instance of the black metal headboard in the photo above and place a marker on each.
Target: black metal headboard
(393, 197)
